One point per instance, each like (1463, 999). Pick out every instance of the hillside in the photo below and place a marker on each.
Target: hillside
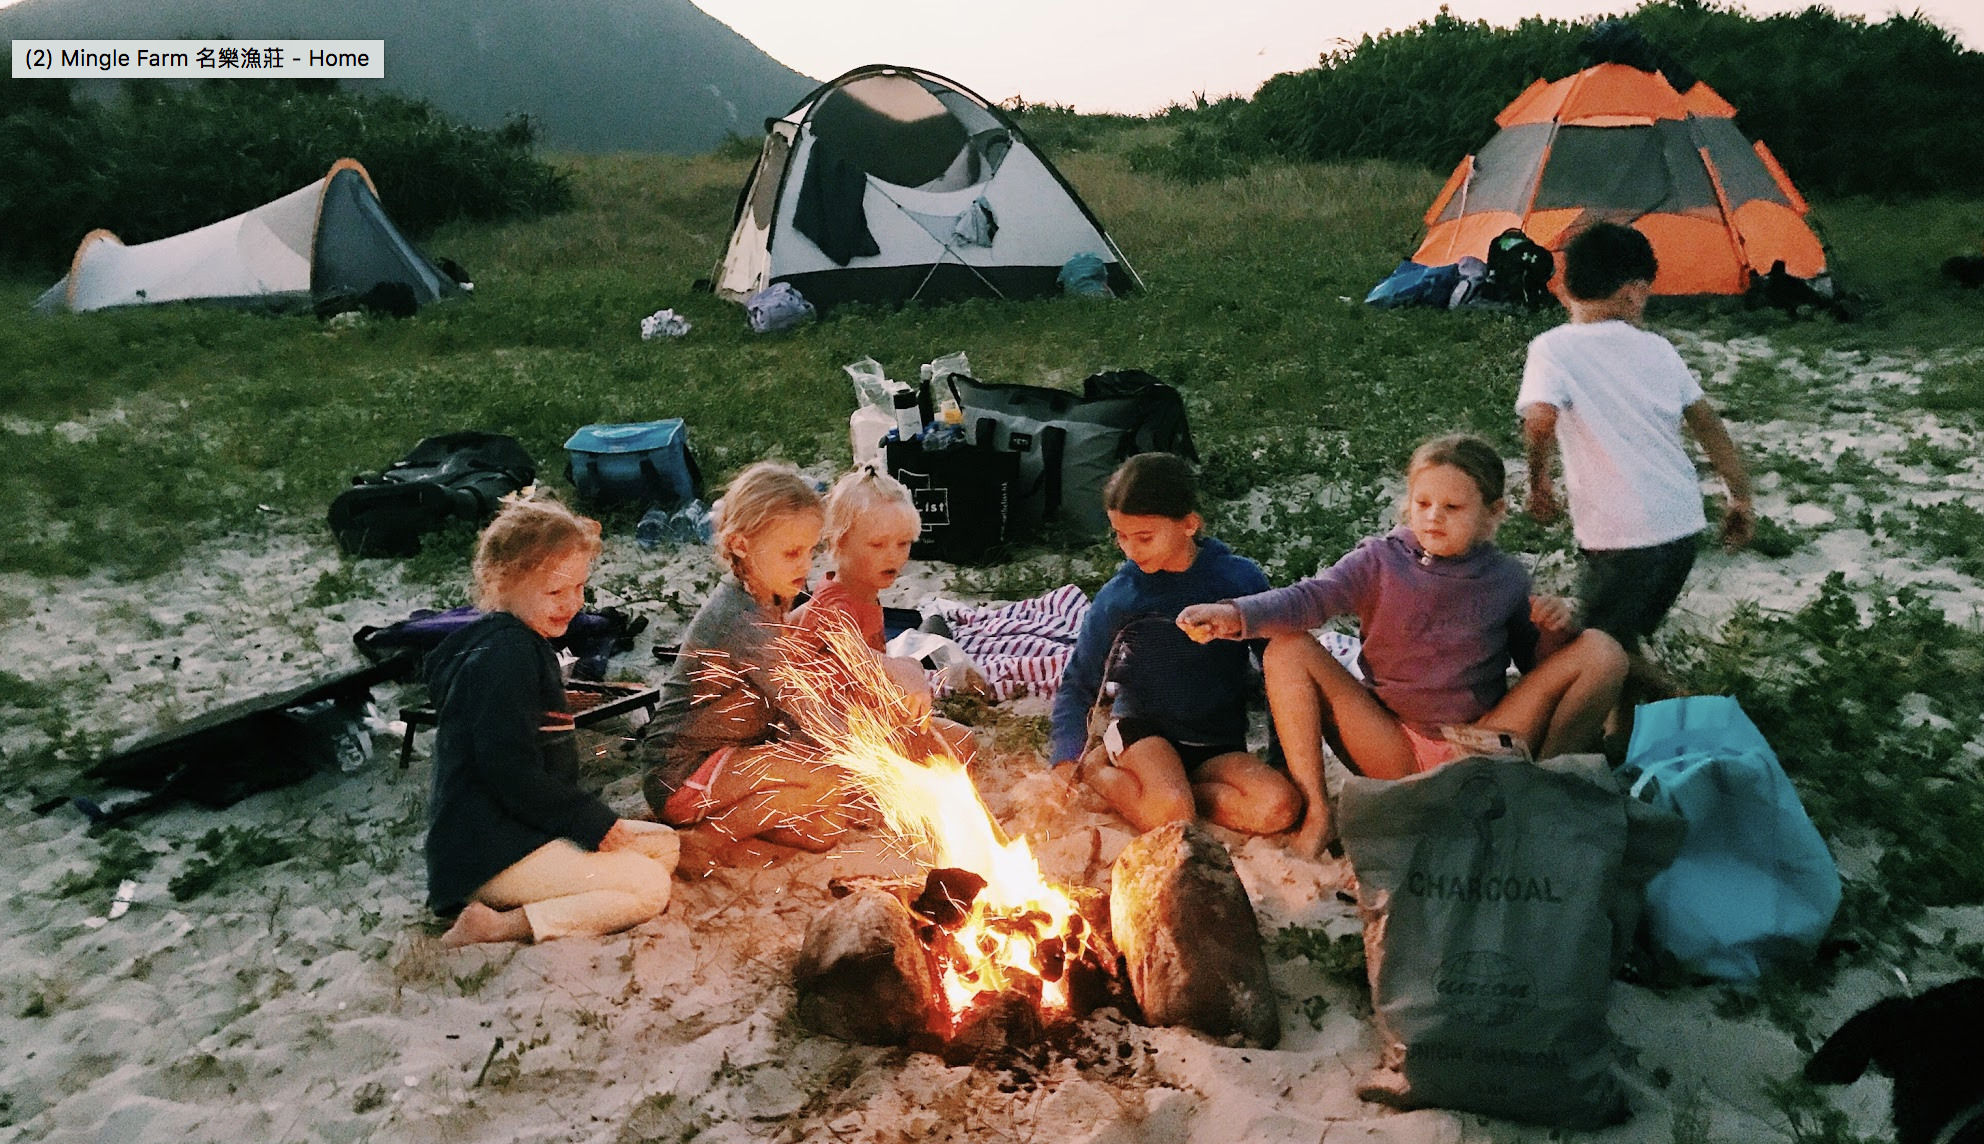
(597, 75)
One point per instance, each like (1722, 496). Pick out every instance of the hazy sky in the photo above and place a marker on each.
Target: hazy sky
(1139, 55)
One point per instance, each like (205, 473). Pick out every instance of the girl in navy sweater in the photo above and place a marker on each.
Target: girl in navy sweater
(1176, 742)
(513, 842)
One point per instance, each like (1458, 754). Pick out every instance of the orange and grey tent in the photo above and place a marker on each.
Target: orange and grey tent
(1618, 144)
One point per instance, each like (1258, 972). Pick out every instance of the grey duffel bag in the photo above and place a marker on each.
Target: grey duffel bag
(1069, 443)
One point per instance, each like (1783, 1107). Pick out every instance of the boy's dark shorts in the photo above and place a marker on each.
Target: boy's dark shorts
(1194, 755)
(1626, 592)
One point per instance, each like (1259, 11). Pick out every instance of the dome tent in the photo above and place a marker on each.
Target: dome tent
(890, 184)
(328, 240)
(1638, 141)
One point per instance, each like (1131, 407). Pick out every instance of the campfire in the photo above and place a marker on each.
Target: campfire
(998, 937)
(985, 953)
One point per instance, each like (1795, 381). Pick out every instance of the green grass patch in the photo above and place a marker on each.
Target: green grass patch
(1954, 388)
(120, 856)
(225, 853)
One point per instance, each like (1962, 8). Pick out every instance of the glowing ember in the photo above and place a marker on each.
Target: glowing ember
(1020, 929)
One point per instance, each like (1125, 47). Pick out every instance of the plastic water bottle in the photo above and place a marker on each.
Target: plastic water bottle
(652, 529)
(909, 415)
(690, 524)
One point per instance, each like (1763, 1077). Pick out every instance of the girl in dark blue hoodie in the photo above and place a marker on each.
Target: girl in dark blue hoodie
(1175, 744)
(513, 842)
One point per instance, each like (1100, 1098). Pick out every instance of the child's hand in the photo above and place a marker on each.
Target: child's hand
(1739, 524)
(908, 676)
(1208, 622)
(1551, 613)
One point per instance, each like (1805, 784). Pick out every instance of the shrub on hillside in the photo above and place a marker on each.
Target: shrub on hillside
(1848, 106)
(157, 160)
(1058, 128)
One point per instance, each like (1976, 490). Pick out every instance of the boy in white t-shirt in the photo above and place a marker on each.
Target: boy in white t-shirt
(1614, 397)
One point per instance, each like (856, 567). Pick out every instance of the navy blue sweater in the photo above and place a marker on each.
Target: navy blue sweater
(506, 762)
(1194, 693)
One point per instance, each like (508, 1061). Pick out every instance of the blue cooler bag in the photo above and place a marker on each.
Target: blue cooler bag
(1754, 883)
(642, 460)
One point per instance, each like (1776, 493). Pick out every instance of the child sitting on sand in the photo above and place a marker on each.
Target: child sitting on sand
(1443, 613)
(713, 760)
(1176, 742)
(513, 842)
(871, 523)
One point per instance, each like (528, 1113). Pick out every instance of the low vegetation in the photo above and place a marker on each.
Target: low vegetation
(1850, 106)
(157, 160)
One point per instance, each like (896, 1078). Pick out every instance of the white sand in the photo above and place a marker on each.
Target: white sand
(308, 1001)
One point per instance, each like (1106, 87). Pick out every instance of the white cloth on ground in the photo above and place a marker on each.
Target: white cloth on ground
(1022, 646)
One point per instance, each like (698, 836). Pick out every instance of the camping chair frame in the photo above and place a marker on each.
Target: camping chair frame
(590, 702)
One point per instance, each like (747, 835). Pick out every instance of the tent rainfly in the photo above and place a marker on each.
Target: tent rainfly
(890, 184)
(328, 240)
(1620, 144)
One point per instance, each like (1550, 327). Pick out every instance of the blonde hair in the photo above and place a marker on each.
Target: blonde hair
(530, 530)
(1468, 453)
(865, 490)
(760, 496)
(1464, 451)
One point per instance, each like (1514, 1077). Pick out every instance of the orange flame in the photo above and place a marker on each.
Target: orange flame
(862, 722)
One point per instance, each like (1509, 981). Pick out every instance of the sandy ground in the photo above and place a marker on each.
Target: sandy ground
(310, 1001)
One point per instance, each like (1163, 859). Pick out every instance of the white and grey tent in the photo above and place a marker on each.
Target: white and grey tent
(326, 241)
(890, 184)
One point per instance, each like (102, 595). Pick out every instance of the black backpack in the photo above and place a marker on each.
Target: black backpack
(1519, 270)
(455, 476)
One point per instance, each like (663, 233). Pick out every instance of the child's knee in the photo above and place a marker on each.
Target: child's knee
(1279, 808)
(1167, 805)
(1601, 653)
(1288, 653)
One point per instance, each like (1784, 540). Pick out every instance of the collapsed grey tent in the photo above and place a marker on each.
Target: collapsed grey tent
(325, 241)
(890, 184)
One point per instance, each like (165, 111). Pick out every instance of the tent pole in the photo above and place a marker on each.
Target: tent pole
(948, 249)
(1453, 236)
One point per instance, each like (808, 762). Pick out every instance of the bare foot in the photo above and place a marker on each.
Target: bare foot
(1318, 830)
(479, 923)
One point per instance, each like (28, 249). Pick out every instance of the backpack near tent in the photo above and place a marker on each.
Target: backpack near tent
(1622, 142)
(890, 184)
(454, 476)
(327, 246)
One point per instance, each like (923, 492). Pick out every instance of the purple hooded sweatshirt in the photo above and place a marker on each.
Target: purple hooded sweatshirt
(1439, 632)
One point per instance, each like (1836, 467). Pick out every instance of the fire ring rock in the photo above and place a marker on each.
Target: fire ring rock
(1189, 937)
(862, 975)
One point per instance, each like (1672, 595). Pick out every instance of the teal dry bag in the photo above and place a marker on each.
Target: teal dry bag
(1754, 883)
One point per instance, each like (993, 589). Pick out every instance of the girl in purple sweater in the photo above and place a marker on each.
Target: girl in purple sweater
(1443, 614)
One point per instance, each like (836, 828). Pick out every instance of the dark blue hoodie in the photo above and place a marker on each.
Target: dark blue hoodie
(1194, 693)
(506, 761)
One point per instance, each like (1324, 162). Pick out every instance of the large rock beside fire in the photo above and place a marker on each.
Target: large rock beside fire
(1189, 938)
(862, 975)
